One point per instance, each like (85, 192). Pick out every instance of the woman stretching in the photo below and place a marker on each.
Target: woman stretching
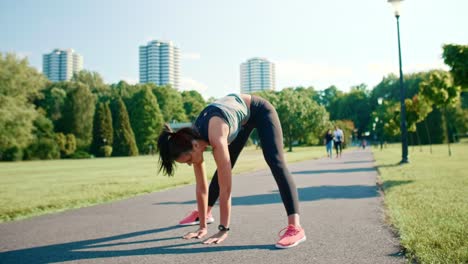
(225, 125)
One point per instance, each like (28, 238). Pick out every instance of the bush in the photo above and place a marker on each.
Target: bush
(12, 154)
(105, 151)
(80, 154)
(44, 148)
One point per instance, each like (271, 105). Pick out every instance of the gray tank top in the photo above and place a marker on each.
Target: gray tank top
(232, 109)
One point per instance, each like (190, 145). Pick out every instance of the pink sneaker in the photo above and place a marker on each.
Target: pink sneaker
(292, 237)
(192, 219)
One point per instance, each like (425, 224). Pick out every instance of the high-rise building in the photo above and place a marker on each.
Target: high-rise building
(159, 63)
(257, 74)
(60, 65)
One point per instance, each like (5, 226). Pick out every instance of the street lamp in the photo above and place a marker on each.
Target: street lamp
(380, 127)
(404, 132)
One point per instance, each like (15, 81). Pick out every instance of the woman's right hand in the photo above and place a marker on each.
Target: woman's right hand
(201, 232)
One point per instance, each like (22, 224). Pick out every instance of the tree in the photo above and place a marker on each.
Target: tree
(456, 57)
(94, 81)
(327, 96)
(300, 117)
(442, 93)
(53, 101)
(171, 104)
(66, 143)
(43, 145)
(124, 138)
(146, 119)
(20, 85)
(193, 104)
(78, 113)
(354, 106)
(103, 132)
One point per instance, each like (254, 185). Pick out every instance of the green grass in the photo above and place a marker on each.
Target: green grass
(39, 187)
(427, 201)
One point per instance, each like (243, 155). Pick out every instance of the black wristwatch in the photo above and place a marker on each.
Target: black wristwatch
(223, 228)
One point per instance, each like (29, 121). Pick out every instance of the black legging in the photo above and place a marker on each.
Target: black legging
(263, 116)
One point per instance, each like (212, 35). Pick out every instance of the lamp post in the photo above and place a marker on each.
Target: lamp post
(403, 129)
(380, 127)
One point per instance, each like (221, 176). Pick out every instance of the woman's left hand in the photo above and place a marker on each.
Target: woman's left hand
(216, 238)
(197, 234)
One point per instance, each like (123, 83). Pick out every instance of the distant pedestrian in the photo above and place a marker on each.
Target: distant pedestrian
(328, 141)
(338, 141)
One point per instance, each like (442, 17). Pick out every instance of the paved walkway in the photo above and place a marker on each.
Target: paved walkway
(341, 211)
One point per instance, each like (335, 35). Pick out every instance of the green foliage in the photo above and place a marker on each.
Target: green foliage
(94, 81)
(124, 139)
(12, 154)
(20, 85)
(456, 56)
(18, 79)
(193, 104)
(417, 110)
(328, 96)
(300, 117)
(80, 154)
(105, 151)
(16, 122)
(103, 132)
(146, 119)
(78, 113)
(439, 89)
(354, 106)
(43, 144)
(66, 144)
(53, 101)
(171, 104)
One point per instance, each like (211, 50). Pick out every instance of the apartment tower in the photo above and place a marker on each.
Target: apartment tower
(257, 74)
(159, 63)
(60, 65)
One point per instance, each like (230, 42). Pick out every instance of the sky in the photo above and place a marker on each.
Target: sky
(312, 43)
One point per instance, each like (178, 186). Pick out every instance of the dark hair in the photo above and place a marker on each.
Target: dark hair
(172, 144)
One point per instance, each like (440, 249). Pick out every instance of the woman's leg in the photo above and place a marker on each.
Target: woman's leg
(271, 137)
(235, 149)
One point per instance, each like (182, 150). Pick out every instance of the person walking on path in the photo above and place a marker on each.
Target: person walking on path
(225, 125)
(328, 141)
(338, 138)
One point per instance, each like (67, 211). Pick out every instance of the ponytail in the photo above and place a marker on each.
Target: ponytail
(172, 144)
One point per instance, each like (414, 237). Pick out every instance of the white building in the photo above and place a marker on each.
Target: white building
(159, 63)
(257, 74)
(60, 65)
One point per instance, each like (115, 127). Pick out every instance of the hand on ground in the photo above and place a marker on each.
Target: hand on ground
(197, 234)
(216, 238)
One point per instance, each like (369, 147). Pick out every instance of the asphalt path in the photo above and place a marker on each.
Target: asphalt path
(341, 212)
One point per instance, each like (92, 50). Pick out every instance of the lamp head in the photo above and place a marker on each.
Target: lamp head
(396, 6)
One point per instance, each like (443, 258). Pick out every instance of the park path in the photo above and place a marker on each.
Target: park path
(341, 211)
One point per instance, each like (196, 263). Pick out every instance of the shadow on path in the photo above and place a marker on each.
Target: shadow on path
(96, 248)
(306, 194)
(351, 170)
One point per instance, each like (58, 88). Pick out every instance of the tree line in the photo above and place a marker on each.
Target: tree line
(85, 117)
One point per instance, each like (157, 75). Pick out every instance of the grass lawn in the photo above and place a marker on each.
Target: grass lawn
(39, 187)
(427, 200)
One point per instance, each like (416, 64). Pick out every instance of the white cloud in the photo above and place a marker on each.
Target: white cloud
(191, 84)
(23, 54)
(130, 80)
(303, 72)
(191, 56)
(385, 68)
